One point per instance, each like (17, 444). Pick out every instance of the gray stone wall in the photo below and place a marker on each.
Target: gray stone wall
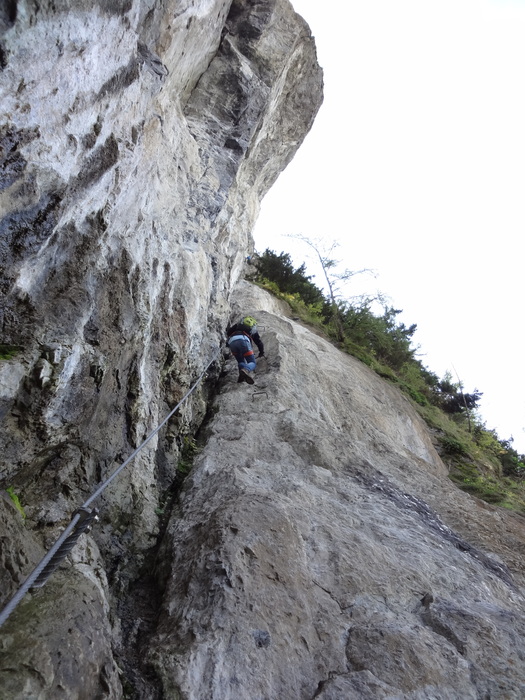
(320, 551)
(136, 141)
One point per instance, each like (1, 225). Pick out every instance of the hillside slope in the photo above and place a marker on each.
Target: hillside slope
(321, 551)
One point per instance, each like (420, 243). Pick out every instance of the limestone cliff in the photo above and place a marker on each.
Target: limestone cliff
(317, 548)
(137, 139)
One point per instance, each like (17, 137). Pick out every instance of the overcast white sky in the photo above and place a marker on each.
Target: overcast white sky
(416, 165)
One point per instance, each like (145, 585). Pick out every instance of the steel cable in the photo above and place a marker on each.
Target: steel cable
(63, 545)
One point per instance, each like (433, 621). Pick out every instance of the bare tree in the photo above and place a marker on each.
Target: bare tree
(333, 278)
(460, 385)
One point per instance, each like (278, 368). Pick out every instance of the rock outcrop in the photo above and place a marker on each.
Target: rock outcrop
(321, 552)
(317, 548)
(137, 139)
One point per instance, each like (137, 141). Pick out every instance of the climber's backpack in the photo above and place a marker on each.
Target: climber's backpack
(247, 325)
(239, 328)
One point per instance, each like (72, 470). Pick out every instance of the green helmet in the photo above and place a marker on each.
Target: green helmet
(249, 321)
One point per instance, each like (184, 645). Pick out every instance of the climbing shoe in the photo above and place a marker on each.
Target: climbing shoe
(244, 376)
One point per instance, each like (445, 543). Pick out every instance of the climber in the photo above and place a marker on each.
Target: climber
(240, 337)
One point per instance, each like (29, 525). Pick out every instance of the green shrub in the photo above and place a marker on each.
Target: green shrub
(279, 270)
(414, 394)
(9, 351)
(486, 490)
(452, 446)
(16, 501)
(188, 453)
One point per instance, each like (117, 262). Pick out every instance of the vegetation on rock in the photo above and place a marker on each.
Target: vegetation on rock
(7, 352)
(14, 497)
(479, 461)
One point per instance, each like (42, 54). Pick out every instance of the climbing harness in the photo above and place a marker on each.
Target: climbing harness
(83, 519)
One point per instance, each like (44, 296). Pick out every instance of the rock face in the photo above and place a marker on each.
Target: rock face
(136, 142)
(137, 139)
(317, 548)
(320, 550)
